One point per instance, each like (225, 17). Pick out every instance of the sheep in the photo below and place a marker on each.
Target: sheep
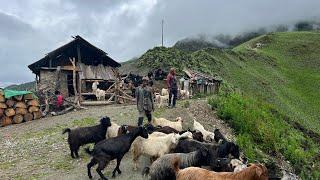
(237, 165)
(155, 146)
(207, 135)
(157, 98)
(99, 93)
(113, 130)
(253, 172)
(164, 122)
(162, 167)
(196, 135)
(162, 100)
(113, 148)
(84, 135)
(217, 151)
(164, 92)
(184, 94)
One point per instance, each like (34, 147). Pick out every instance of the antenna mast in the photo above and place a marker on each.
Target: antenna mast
(162, 32)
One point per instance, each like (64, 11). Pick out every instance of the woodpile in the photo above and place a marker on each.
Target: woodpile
(18, 109)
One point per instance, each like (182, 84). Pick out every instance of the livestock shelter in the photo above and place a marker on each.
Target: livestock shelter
(73, 67)
(200, 82)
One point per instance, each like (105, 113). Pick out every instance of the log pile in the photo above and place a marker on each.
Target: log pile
(18, 109)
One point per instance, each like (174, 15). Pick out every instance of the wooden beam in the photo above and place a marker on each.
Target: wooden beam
(96, 103)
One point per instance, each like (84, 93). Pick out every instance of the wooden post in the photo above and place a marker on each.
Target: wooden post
(76, 99)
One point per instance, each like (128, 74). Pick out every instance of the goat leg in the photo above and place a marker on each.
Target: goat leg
(89, 165)
(76, 152)
(117, 167)
(101, 166)
(72, 153)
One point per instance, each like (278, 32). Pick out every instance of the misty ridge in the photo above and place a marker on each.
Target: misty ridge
(200, 41)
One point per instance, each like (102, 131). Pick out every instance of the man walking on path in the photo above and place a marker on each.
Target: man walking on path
(172, 87)
(144, 99)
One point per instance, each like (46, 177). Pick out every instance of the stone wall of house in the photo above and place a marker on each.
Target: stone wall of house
(48, 79)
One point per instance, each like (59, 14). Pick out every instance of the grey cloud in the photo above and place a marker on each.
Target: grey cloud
(126, 29)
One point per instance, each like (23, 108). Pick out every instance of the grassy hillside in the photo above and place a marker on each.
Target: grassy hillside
(281, 78)
(287, 66)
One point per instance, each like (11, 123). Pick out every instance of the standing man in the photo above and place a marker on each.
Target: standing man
(144, 99)
(172, 87)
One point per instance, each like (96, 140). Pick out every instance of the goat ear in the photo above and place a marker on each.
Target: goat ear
(259, 171)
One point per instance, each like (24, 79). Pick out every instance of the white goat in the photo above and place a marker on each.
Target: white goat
(155, 146)
(164, 92)
(163, 99)
(187, 134)
(99, 93)
(207, 135)
(237, 165)
(184, 94)
(112, 131)
(164, 122)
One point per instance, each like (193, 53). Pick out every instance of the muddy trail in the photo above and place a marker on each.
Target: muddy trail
(38, 150)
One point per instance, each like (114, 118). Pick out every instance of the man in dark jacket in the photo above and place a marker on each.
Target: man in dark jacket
(144, 99)
(172, 87)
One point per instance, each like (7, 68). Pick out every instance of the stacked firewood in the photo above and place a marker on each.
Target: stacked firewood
(18, 109)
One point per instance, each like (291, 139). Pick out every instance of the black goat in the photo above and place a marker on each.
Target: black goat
(217, 151)
(218, 136)
(84, 135)
(113, 148)
(162, 167)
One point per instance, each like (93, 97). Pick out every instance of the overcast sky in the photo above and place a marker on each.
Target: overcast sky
(124, 29)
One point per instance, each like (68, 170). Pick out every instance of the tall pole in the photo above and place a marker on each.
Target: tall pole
(162, 32)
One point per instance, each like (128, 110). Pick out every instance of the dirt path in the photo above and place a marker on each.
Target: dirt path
(38, 150)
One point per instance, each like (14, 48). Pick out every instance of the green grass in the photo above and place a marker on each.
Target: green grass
(259, 128)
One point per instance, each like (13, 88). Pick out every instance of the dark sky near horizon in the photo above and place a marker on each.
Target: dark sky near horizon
(125, 29)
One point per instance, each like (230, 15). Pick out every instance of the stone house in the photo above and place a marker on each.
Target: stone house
(55, 70)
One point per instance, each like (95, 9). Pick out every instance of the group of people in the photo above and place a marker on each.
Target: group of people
(144, 96)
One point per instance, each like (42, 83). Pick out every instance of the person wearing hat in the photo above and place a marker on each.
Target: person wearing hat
(144, 100)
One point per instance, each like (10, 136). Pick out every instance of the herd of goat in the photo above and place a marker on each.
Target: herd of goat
(195, 154)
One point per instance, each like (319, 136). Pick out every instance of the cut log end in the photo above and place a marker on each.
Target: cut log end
(33, 102)
(10, 112)
(37, 115)
(10, 102)
(28, 117)
(20, 104)
(5, 121)
(22, 111)
(3, 105)
(32, 109)
(18, 118)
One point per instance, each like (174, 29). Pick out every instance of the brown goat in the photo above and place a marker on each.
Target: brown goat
(253, 172)
(124, 129)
